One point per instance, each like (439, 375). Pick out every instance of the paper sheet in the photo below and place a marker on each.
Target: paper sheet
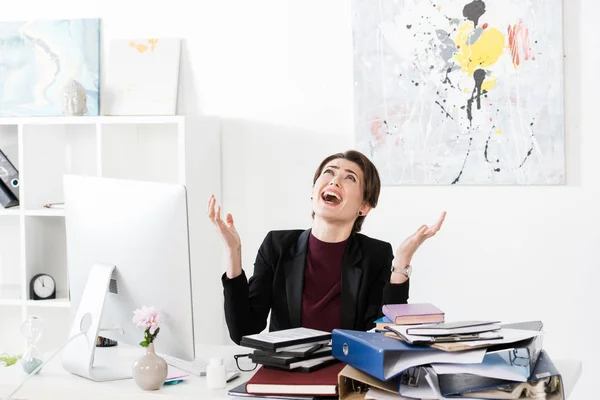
(493, 366)
(398, 362)
(286, 335)
(378, 394)
(508, 336)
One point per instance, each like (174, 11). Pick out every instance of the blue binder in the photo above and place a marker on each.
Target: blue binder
(457, 385)
(372, 353)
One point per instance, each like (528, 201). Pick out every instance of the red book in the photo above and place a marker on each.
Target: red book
(410, 314)
(322, 382)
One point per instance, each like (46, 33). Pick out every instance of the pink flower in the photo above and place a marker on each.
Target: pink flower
(146, 317)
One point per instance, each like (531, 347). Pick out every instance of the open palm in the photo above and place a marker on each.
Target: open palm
(407, 249)
(226, 228)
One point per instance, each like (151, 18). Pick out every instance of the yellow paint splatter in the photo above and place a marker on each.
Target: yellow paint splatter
(484, 52)
(489, 84)
(153, 43)
(439, 8)
(498, 132)
(139, 47)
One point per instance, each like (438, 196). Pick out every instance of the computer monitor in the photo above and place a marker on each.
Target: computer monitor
(127, 247)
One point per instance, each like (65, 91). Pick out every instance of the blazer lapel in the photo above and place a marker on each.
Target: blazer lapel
(294, 278)
(351, 279)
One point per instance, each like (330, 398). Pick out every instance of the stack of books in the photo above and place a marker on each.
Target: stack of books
(434, 360)
(298, 349)
(295, 363)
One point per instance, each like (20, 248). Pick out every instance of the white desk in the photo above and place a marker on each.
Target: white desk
(53, 382)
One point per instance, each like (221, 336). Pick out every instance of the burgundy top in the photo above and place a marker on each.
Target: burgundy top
(321, 297)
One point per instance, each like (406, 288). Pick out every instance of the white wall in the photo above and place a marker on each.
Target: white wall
(280, 73)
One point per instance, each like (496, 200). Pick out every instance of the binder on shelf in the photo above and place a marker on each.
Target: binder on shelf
(7, 198)
(9, 175)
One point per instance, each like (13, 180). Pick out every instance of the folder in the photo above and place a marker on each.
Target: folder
(385, 358)
(7, 198)
(9, 175)
(523, 355)
(353, 384)
(268, 381)
(545, 378)
(287, 340)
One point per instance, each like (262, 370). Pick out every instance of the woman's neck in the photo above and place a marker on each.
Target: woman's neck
(330, 233)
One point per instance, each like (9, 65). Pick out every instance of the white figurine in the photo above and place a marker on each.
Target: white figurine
(75, 99)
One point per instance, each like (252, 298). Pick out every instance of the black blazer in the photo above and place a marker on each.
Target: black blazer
(278, 282)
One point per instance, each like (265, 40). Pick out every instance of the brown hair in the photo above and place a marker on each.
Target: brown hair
(371, 185)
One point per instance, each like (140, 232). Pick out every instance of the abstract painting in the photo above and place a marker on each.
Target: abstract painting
(143, 76)
(460, 91)
(39, 58)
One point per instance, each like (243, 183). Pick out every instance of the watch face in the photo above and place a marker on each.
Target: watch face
(408, 271)
(43, 286)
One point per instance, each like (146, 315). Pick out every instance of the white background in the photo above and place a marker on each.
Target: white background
(279, 73)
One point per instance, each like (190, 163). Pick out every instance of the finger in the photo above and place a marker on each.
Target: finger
(435, 228)
(440, 221)
(229, 220)
(211, 208)
(218, 214)
(210, 199)
(218, 221)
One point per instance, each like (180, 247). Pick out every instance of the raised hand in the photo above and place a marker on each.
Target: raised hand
(226, 228)
(407, 249)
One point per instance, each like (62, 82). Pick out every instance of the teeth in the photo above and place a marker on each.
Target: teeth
(332, 194)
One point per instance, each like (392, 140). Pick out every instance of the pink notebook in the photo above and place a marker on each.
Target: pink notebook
(410, 314)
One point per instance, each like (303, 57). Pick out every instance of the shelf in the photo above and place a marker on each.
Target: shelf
(11, 302)
(56, 303)
(46, 212)
(9, 211)
(150, 119)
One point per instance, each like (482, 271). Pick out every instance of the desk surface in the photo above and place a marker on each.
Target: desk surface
(53, 382)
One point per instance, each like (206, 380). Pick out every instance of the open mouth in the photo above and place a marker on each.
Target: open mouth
(331, 198)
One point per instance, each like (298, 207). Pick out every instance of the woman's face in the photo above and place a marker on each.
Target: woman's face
(338, 192)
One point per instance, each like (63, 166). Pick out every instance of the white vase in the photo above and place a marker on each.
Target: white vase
(150, 371)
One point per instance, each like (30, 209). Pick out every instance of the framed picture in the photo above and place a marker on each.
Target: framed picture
(460, 91)
(38, 59)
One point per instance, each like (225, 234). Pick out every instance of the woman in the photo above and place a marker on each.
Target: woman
(326, 277)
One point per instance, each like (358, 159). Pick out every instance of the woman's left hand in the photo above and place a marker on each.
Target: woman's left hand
(407, 249)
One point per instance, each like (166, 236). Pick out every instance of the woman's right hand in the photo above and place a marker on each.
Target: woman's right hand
(226, 228)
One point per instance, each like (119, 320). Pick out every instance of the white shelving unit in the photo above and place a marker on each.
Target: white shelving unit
(33, 238)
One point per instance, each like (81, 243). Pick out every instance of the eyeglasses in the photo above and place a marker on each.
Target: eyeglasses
(244, 363)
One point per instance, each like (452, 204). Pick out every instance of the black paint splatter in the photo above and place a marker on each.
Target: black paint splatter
(479, 76)
(444, 110)
(529, 152)
(474, 10)
(455, 181)
(447, 79)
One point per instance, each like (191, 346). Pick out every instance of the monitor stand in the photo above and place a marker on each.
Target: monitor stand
(78, 355)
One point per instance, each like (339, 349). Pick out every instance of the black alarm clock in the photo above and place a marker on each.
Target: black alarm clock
(42, 287)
